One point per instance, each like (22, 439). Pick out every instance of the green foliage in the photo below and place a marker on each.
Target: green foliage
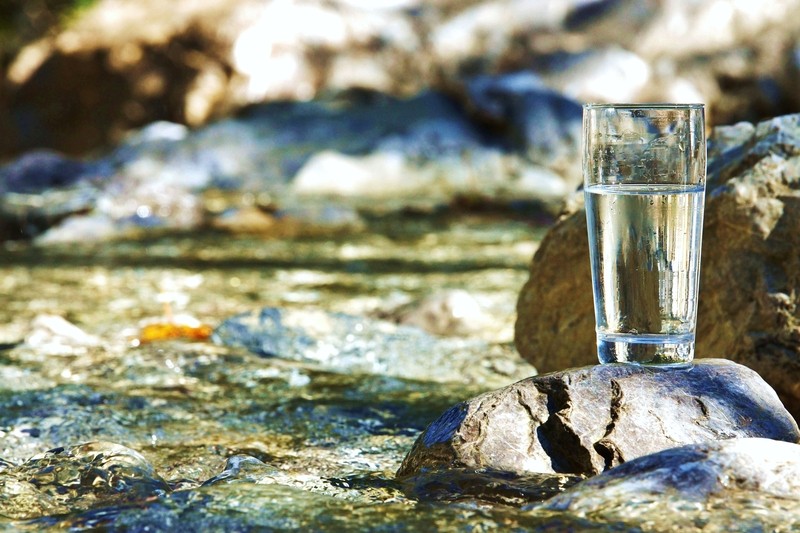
(23, 21)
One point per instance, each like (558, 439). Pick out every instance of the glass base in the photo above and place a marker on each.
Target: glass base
(649, 349)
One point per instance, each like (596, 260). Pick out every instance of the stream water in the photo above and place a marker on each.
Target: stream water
(99, 429)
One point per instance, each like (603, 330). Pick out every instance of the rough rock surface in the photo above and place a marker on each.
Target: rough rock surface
(680, 485)
(750, 273)
(584, 421)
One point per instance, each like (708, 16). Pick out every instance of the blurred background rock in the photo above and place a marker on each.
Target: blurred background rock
(77, 75)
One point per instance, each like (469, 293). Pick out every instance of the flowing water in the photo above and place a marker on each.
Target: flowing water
(104, 426)
(98, 428)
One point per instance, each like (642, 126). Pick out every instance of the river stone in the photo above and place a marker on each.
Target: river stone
(586, 420)
(353, 344)
(450, 312)
(750, 484)
(64, 479)
(750, 277)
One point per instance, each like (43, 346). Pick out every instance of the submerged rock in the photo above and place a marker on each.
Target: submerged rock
(64, 480)
(584, 421)
(745, 484)
(347, 343)
(749, 307)
(246, 469)
(486, 485)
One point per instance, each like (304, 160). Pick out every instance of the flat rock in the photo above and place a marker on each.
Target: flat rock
(750, 274)
(586, 420)
(745, 484)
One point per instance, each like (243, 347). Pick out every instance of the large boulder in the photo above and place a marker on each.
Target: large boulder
(750, 275)
(745, 484)
(587, 420)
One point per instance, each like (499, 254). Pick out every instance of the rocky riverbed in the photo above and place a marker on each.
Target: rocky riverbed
(218, 437)
(217, 381)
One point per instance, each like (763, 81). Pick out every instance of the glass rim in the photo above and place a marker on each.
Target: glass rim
(589, 106)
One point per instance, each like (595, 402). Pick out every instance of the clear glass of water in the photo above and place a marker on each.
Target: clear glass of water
(644, 170)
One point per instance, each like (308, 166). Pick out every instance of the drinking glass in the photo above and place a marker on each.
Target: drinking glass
(644, 169)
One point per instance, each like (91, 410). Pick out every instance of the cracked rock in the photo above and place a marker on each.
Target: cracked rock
(587, 420)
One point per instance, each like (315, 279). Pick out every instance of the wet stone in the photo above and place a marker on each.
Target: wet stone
(348, 343)
(746, 484)
(245, 469)
(41, 188)
(80, 477)
(485, 485)
(385, 151)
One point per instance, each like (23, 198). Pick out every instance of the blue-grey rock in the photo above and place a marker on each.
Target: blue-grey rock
(263, 148)
(586, 420)
(347, 343)
(687, 485)
(40, 171)
(361, 145)
(41, 188)
(543, 124)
